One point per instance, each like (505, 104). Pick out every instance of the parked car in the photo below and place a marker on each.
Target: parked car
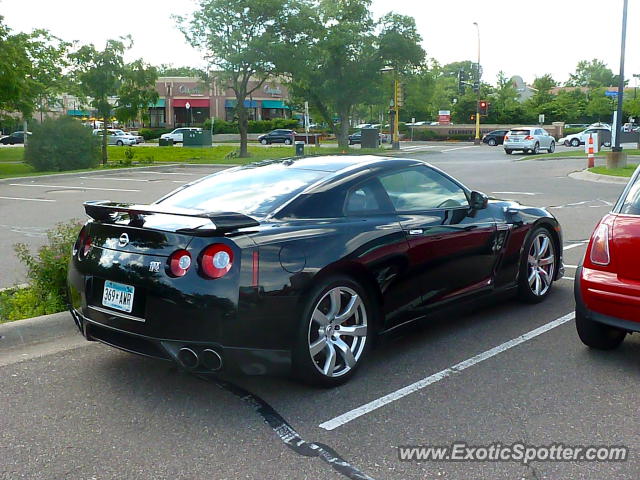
(14, 138)
(528, 140)
(577, 139)
(607, 282)
(356, 138)
(630, 127)
(495, 137)
(116, 137)
(279, 135)
(134, 133)
(311, 260)
(177, 135)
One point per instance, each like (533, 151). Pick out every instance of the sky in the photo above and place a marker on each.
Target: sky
(520, 38)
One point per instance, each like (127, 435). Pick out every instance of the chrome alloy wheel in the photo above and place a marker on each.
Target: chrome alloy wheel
(540, 264)
(337, 332)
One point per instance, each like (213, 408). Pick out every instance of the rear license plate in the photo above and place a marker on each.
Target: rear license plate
(118, 296)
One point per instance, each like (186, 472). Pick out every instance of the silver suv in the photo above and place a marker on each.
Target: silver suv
(529, 140)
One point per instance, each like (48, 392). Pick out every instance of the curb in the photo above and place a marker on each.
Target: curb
(36, 330)
(598, 178)
(105, 171)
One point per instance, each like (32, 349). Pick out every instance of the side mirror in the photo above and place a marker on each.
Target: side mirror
(478, 200)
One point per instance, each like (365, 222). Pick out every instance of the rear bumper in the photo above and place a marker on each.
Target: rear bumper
(520, 145)
(601, 297)
(248, 361)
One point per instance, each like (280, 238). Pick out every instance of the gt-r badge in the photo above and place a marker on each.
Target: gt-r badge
(154, 267)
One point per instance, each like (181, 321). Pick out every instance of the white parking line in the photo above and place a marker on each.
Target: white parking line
(516, 193)
(172, 173)
(574, 245)
(441, 375)
(27, 199)
(71, 188)
(115, 178)
(568, 278)
(571, 266)
(458, 148)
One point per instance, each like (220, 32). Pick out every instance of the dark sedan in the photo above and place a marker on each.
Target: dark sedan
(495, 137)
(14, 138)
(293, 266)
(279, 135)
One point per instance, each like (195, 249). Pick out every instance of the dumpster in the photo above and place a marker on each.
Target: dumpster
(370, 138)
(299, 149)
(197, 138)
(165, 142)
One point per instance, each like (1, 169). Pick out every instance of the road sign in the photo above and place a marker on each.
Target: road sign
(541, 119)
(187, 105)
(610, 93)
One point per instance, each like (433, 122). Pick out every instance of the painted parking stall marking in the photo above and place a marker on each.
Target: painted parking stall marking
(27, 199)
(67, 187)
(441, 375)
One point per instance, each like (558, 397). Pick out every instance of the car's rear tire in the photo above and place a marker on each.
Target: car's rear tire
(264, 142)
(598, 335)
(552, 147)
(324, 353)
(537, 266)
(536, 149)
(507, 151)
(607, 144)
(492, 142)
(119, 143)
(575, 142)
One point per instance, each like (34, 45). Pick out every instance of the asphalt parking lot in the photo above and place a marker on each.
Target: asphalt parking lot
(505, 373)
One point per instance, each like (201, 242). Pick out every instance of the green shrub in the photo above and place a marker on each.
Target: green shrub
(151, 133)
(62, 144)
(46, 273)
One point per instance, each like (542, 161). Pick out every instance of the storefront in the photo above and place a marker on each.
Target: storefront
(190, 111)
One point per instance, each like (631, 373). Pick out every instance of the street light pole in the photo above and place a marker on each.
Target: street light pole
(395, 144)
(476, 141)
(617, 147)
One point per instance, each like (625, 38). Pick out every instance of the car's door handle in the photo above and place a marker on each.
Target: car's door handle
(416, 231)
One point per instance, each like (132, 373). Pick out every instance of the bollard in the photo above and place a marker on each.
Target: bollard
(591, 162)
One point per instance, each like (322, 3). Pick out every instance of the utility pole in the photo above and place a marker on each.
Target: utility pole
(617, 147)
(395, 145)
(476, 141)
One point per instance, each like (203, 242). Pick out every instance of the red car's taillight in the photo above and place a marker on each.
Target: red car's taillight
(600, 245)
(216, 260)
(83, 244)
(179, 263)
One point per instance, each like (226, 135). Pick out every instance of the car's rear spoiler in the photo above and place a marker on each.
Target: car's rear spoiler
(222, 222)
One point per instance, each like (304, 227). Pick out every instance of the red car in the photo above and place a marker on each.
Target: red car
(607, 285)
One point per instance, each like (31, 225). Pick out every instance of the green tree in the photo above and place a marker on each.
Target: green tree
(599, 106)
(505, 107)
(244, 40)
(592, 74)
(543, 86)
(102, 75)
(167, 70)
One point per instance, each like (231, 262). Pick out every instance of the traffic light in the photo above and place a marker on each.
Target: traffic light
(483, 107)
(400, 94)
(473, 117)
(476, 86)
(461, 81)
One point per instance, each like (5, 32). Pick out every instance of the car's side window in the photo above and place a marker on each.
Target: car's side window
(363, 200)
(421, 188)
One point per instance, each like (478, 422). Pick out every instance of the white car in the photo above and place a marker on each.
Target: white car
(117, 137)
(580, 138)
(178, 134)
(528, 140)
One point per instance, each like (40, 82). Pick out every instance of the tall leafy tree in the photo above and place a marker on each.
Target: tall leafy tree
(592, 74)
(102, 75)
(243, 40)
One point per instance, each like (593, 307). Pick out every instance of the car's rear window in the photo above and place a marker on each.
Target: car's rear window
(520, 132)
(252, 191)
(630, 204)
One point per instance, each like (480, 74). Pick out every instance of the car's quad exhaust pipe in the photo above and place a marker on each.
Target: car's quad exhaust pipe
(208, 358)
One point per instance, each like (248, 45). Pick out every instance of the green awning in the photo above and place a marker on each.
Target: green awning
(159, 104)
(78, 113)
(273, 104)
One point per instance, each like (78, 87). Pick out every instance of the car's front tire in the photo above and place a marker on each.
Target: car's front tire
(537, 266)
(335, 332)
(287, 142)
(575, 142)
(264, 141)
(598, 335)
(119, 143)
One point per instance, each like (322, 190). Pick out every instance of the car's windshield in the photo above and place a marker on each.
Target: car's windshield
(252, 191)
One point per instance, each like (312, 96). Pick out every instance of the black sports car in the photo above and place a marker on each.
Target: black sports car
(294, 265)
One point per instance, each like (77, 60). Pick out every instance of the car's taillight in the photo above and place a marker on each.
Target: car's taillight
(83, 244)
(528, 137)
(600, 245)
(506, 137)
(179, 263)
(216, 260)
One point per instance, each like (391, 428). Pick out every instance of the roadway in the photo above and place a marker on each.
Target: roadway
(85, 411)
